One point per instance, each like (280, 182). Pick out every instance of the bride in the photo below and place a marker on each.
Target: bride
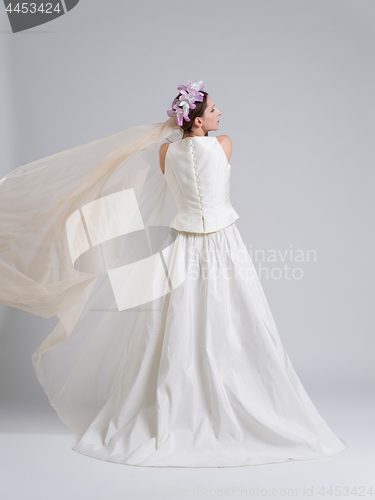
(166, 353)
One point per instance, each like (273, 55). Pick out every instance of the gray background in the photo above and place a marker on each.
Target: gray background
(295, 83)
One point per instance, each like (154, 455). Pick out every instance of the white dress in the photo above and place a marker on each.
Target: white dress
(208, 381)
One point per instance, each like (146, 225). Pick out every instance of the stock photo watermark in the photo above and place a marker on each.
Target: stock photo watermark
(246, 263)
(25, 15)
(235, 491)
(106, 249)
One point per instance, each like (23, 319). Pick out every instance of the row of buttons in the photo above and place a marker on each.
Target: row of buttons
(195, 173)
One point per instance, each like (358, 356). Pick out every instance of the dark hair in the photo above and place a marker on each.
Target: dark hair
(193, 113)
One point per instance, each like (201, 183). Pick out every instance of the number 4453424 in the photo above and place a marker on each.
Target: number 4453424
(32, 7)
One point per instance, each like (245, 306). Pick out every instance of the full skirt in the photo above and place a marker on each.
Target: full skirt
(208, 381)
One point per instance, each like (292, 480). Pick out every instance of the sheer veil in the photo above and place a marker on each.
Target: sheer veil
(84, 236)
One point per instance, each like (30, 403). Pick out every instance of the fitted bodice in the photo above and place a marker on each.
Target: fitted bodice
(197, 172)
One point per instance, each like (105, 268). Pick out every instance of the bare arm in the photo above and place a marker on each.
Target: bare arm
(226, 144)
(162, 153)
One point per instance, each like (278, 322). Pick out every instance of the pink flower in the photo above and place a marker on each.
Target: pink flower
(188, 95)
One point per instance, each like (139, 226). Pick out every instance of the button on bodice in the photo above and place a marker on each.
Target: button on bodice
(198, 174)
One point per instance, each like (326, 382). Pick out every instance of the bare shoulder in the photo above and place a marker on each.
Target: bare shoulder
(224, 138)
(162, 152)
(226, 144)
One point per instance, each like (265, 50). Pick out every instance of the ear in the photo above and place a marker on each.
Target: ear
(198, 122)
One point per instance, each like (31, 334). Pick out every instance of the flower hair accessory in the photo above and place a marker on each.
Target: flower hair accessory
(186, 100)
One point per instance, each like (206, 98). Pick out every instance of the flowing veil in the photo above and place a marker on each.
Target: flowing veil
(84, 236)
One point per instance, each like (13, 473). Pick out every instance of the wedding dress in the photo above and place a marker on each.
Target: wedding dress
(166, 353)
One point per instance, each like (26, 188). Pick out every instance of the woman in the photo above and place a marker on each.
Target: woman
(208, 121)
(166, 353)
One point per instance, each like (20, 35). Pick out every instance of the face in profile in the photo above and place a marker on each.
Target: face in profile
(210, 119)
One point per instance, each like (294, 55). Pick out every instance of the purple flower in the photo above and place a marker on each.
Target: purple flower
(188, 95)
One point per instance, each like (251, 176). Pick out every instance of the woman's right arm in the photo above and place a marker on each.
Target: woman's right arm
(226, 144)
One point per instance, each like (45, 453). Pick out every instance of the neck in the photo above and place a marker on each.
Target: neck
(191, 134)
